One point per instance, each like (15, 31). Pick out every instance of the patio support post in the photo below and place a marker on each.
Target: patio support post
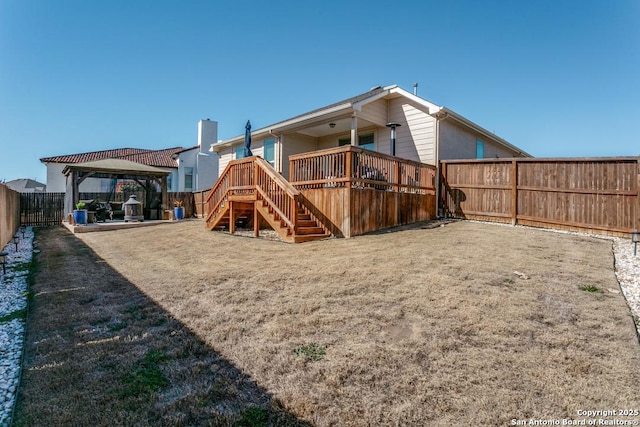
(75, 197)
(256, 219)
(294, 214)
(163, 197)
(354, 130)
(232, 219)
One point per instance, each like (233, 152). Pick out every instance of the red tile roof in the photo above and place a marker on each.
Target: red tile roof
(159, 158)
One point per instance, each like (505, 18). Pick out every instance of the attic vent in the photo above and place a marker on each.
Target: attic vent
(375, 87)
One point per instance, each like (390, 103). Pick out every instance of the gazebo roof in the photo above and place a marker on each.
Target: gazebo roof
(116, 167)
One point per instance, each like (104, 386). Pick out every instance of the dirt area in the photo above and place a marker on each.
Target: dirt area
(461, 324)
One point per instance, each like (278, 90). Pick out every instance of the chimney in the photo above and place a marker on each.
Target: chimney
(207, 134)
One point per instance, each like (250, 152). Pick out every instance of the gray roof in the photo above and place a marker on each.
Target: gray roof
(26, 185)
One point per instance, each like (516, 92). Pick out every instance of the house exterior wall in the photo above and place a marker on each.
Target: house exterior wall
(229, 153)
(295, 144)
(224, 157)
(457, 142)
(331, 141)
(187, 159)
(416, 137)
(379, 110)
(206, 170)
(56, 182)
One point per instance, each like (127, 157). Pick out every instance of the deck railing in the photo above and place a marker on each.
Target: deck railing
(356, 167)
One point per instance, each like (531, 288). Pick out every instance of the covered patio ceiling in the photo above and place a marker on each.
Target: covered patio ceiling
(342, 125)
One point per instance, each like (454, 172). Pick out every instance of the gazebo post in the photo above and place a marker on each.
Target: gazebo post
(163, 188)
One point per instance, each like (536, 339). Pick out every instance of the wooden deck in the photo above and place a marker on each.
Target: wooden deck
(344, 192)
(356, 191)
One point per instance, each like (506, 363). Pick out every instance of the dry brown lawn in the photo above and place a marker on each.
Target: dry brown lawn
(461, 324)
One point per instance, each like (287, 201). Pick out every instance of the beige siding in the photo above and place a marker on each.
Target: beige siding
(415, 138)
(331, 141)
(377, 110)
(226, 155)
(295, 144)
(457, 142)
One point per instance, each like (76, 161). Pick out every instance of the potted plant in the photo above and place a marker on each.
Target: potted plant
(80, 214)
(178, 210)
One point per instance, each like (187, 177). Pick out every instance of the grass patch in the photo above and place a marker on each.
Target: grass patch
(591, 289)
(313, 351)
(145, 376)
(18, 314)
(116, 327)
(253, 417)
(21, 267)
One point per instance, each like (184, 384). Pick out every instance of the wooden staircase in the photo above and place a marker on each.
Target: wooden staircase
(250, 190)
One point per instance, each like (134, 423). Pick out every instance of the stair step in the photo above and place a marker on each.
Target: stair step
(309, 230)
(309, 237)
(306, 223)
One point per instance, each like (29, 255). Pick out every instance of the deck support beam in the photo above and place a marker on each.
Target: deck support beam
(232, 219)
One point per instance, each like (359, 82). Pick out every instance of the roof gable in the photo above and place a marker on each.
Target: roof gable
(373, 93)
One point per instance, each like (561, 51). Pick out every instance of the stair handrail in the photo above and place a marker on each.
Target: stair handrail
(215, 204)
(291, 192)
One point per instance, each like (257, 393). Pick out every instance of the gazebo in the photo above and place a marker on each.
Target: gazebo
(113, 169)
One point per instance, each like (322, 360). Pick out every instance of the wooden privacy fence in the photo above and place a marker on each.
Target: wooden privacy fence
(9, 214)
(43, 209)
(600, 195)
(200, 203)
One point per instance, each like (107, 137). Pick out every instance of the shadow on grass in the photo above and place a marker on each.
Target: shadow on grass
(100, 352)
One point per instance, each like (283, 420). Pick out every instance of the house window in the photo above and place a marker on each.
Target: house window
(479, 149)
(364, 141)
(188, 179)
(269, 152)
(239, 152)
(170, 182)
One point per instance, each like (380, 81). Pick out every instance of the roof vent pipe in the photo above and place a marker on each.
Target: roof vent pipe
(415, 88)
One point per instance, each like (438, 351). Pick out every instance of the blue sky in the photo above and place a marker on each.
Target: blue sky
(557, 78)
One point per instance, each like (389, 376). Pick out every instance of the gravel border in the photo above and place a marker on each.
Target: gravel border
(13, 305)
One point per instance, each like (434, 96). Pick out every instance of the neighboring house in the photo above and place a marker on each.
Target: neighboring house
(197, 166)
(191, 169)
(26, 185)
(425, 132)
